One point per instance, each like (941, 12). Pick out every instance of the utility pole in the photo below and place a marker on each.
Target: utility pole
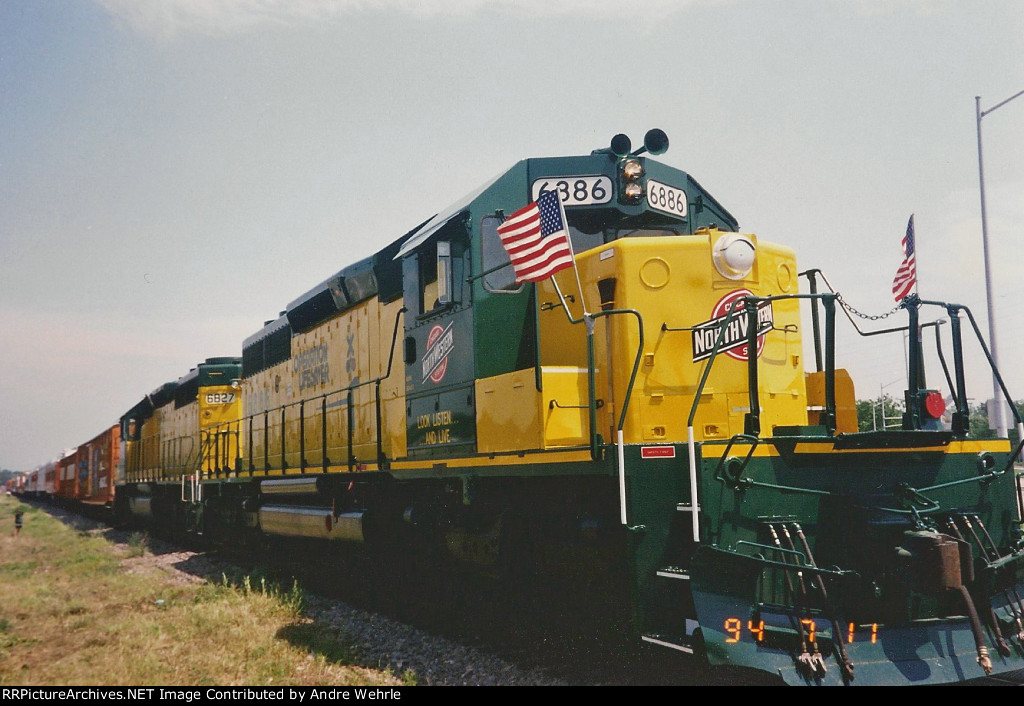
(1000, 421)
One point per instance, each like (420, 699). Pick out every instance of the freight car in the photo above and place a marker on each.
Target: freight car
(644, 412)
(89, 473)
(67, 478)
(39, 482)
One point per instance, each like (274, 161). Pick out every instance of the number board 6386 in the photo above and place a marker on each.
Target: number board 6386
(575, 190)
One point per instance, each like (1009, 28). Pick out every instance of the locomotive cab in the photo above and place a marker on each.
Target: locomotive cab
(439, 348)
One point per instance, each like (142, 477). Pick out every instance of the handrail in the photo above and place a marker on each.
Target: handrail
(750, 309)
(589, 320)
(988, 357)
(901, 491)
(636, 361)
(210, 436)
(620, 448)
(945, 367)
(691, 444)
(596, 442)
(810, 276)
(321, 402)
(962, 409)
(962, 416)
(803, 567)
(150, 453)
(750, 304)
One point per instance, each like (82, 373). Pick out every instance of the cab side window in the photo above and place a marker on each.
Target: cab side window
(428, 278)
(500, 277)
(434, 274)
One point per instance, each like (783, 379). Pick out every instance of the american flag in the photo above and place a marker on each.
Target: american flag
(537, 239)
(906, 276)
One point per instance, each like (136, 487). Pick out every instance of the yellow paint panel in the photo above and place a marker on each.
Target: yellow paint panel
(219, 405)
(846, 400)
(674, 282)
(507, 412)
(566, 410)
(219, 410)
(349, 349)
(513, 416)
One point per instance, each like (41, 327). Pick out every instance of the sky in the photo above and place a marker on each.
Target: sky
(173, 173)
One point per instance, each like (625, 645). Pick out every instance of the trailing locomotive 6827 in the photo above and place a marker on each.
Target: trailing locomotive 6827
(644, 409)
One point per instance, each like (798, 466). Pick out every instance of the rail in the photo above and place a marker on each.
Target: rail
(152, 457)
(220, 450)
(961, 419)
(596, 442)
(803, 566)
(323, 403)
(732, 474)
(752, 420)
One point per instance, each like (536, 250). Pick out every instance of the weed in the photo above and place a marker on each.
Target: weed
(72, 615)
(138, 544)
(18, 569)
(296, 598)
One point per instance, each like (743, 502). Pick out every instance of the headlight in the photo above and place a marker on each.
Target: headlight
(733, 256)
(631, 181)
(632, 169)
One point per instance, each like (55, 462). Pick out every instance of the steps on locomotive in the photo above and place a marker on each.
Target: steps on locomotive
(686, 644)
(670, 620)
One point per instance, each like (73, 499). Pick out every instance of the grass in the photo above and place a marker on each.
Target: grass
(71, 614)
(138, 543)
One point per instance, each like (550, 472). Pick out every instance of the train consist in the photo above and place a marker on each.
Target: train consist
(82, 477)
(644, 412)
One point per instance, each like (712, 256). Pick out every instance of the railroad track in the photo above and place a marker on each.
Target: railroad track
(490, 636)
(569, 637)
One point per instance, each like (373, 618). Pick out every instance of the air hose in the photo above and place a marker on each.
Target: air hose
(837, 640)
(979, 635)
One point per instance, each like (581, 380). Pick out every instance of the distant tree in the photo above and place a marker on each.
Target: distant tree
(870, 416)
(879, 414)
(979, 422)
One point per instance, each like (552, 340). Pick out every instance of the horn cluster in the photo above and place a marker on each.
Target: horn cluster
(655, 142)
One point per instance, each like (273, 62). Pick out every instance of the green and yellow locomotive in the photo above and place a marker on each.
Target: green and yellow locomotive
(646, 411)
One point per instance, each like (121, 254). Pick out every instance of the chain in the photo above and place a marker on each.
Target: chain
(869, 317)
(853, 310)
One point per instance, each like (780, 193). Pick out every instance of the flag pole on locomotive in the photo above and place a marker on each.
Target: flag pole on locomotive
(905, 280)
(905, 292)
(904, 284)
(536, 238)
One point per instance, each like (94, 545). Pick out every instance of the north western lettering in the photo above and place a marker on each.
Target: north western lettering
(438, 352)
(312, 367)
(704, 335)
